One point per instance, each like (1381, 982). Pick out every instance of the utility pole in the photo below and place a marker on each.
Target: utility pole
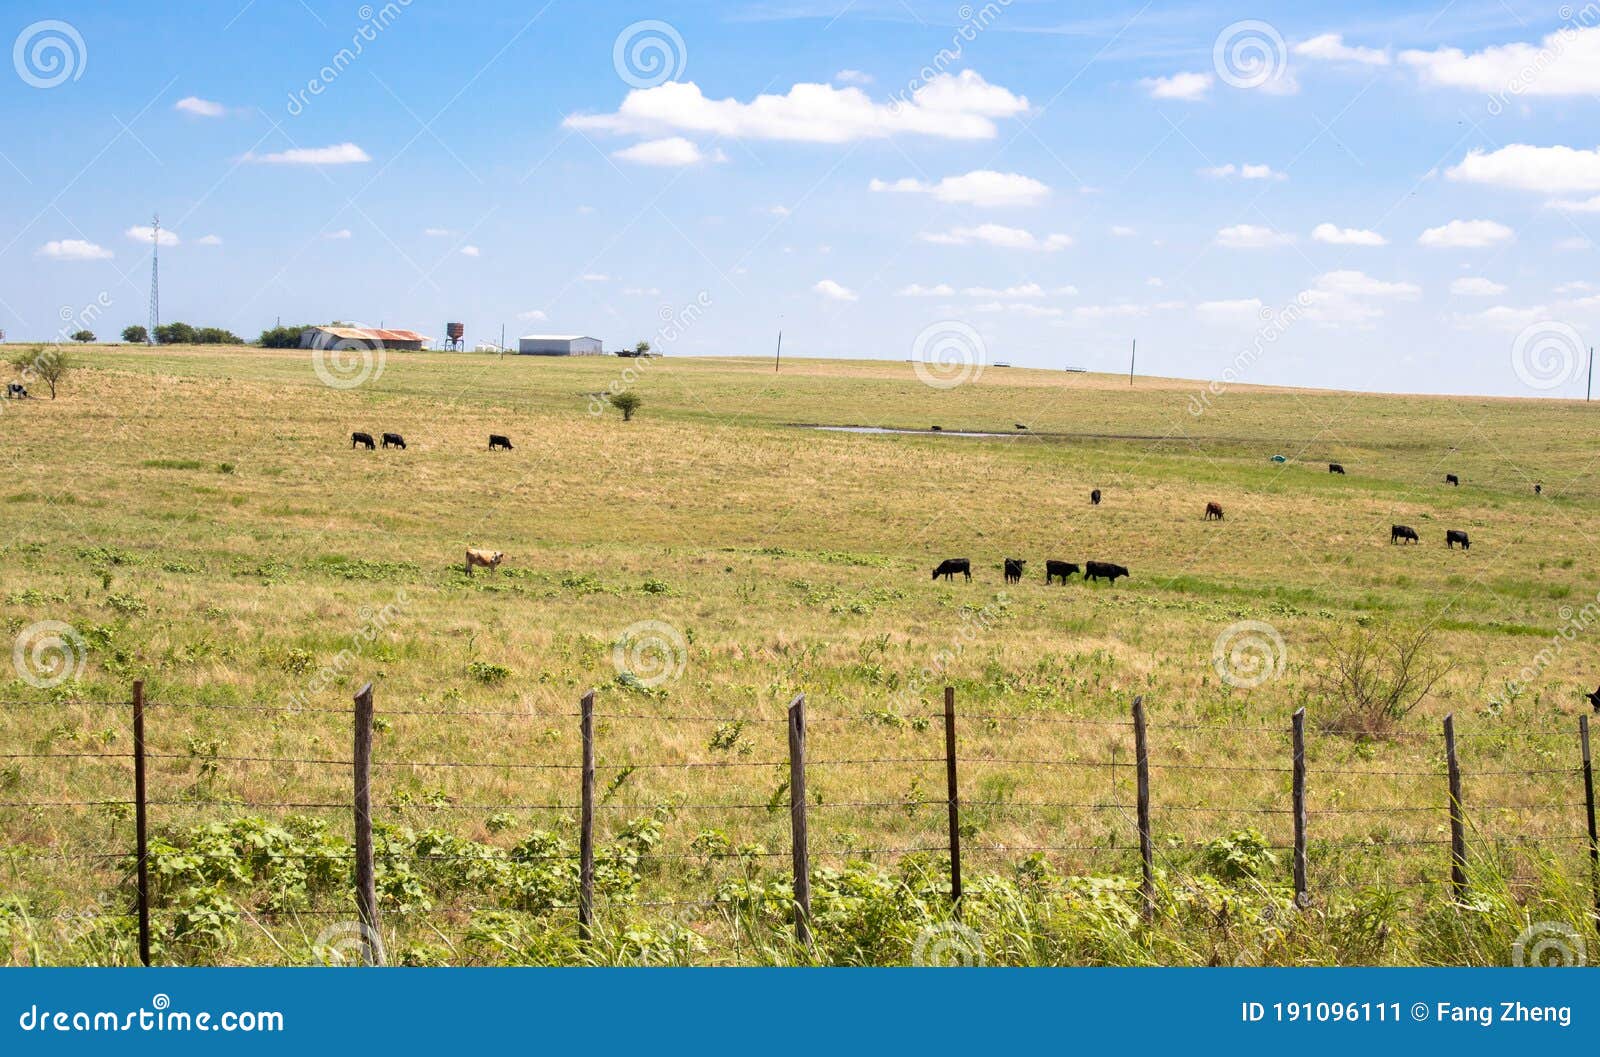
(1132, 356)
(502, 341)
(1589, 392)
(777, 360)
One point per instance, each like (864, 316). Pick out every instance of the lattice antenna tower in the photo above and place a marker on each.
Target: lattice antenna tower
(155, 278)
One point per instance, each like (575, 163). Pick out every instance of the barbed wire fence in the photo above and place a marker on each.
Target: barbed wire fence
(1130, 827)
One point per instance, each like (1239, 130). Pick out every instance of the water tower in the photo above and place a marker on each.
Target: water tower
(455, 336)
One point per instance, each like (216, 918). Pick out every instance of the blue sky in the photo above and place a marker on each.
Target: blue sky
(1373, 196)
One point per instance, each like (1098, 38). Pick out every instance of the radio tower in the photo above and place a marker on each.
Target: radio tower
(155, 278)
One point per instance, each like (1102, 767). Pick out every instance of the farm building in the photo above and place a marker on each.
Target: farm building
(370, 337)
(559, 345)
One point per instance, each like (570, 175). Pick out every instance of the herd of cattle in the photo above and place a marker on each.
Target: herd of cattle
(358, 439)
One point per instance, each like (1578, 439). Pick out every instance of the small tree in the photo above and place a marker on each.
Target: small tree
(51, 365)
(627, 403)
(83, 337)
(1374, 677)
(135, 335)
(642, 349)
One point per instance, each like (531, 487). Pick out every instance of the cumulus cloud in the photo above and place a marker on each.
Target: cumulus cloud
(141, 233)
(1251, 237)
(1337, 236)
(1240, 311)
(469, 251)
(594, 277)
(197, 107)
(340, 235)
(1020, 290)
(1123, 231)
(1476, 286)
(641, 291)
(1244, 172)
(999, 236)
(671, 151)
(1186, 86)
(948, 106)
(982, 187)
(1019, 308)
(532, 315)
(1466, 235)
(1332, 48)
(834, 291)
(1349, 296)
(852, 77)
(1566, 62)
(75, 250)
(1524, 167)
(338, 154)
(1586, 205)
(918, 290)
(209, 240)
(437, 233)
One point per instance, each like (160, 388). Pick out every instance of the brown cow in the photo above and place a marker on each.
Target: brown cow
(486, 558)
(1213, 511)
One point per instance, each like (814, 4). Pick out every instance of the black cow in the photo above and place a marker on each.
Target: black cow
(498, 441)
(1103, 571)
(937, 429)
(1402, 532)
(1053, 569)
(1455, 536)
(394, 440)
(1014, 570)
(1336, 467)
(1213, 511)
(1019, 425)
(362, 439)
(1094, 497)
(950, 566)
(1538, 489)
(1451, 478)
(1594, 699)
(16, 390)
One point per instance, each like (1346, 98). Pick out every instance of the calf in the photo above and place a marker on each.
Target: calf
(1094, 497)
(950, 566)
(394, 440)
(1014, 570)
(1451, 478)
(487, 559)
(362, 439)
(1213, 512)
(1402, 533)
(498, 441)
(1455, 536)
(1103, 571)
(1053, 569)
(1336, 467)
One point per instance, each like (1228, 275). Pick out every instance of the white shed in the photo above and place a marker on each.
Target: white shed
(559, 345)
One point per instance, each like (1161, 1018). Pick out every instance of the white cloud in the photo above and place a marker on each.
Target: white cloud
(1507, 317)
(532, 315)
(194, 105)
(1476, 286)
(640, 291)
(1018, 308)
(948, 106)
(1337, 236)
(340, 235)
(1332, 48)
(672, 151)
(1466, 235)
(595, 277)
(1155, 281)
(1123, 231)
(833, 291)
(338, 154)
(209, 240)
(852, 77)
(141, 233)
(1528, 168)
(999, 236)
(1576, 242)
(437, 233)
(1348, 296)
(1021, 290)
(75, 250)
(1575, 286)
(1566, 62)
(1251, 237)
(1240, 311)
(1244, 172)
(918, 290)
(469, 251)
(1587, 205)
(982, 187)
(1186, 86)
(778, 211)
(1121, 310)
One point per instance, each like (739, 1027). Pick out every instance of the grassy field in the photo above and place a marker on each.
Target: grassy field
(198, 519)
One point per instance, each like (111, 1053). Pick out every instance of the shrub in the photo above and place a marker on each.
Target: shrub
(135, 335)
(627, 403)
(1374, 677)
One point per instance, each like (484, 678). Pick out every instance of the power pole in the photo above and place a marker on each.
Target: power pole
(1132, 356)
(778, 359)
(502, 341)
(1589, 392)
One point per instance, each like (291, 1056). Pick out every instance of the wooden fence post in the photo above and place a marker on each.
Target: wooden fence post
(1588, 798)
(797, 820)
(952, 793)
(140, 823)
(1458, 824)
(586, 821)
(366, 880)
(1302, 895)
(1141, 749)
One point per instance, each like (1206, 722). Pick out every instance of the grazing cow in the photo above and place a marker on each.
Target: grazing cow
(1053, 569)
(1103, 570)
(498, 441)
(1019, 425)
(487, 559)
(1014, 570)
(1594, 699)
(362, 439)
(394, 440)
(1402, 532)
(1336, 467)
(1451, 478)
(1538, 489)
(1455, 536)
(1213, 511)
(1094, 497)
(950, 566)
(16, 390)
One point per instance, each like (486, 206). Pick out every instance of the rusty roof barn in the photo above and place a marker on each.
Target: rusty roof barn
(362, 337)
